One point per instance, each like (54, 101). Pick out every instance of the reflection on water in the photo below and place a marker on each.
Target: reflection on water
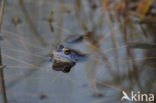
(122, 53)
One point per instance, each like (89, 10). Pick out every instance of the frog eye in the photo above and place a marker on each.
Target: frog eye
(67, 51)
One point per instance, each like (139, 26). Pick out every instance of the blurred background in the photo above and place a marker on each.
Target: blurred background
(118, 35)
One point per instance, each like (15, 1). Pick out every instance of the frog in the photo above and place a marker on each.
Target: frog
(64, 58)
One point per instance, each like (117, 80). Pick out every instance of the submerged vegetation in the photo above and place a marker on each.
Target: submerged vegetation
(118, 35)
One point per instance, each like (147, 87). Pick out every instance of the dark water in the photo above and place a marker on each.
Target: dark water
(113, 65)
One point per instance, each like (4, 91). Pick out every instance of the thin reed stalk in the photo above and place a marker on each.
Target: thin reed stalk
(3, 91)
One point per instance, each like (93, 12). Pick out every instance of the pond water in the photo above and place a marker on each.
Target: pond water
(114, 63)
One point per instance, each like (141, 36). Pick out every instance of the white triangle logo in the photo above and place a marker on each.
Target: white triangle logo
(125, 96)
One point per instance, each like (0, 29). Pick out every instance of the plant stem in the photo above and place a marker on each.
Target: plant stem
(2, 80)
(3, 91)
(1, 12)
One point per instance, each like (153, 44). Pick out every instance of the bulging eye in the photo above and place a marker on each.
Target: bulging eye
(67, 51)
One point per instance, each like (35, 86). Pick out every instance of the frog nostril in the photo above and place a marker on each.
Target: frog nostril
(60, 47)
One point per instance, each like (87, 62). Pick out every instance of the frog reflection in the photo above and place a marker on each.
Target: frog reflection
(65, 58)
